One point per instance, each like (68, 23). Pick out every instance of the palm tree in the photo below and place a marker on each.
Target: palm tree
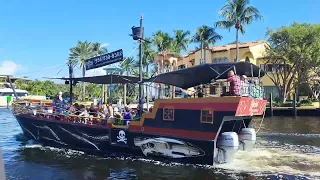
(181, 40)
(98, 49)
(164, 44)
(127, 66)
(79, 55)
(206, 35)
(238, 13)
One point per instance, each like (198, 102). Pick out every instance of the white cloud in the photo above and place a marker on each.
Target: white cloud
(104, 45)
(9, 67)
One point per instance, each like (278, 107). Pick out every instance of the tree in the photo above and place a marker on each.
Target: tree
(292, 52)
(181, 40)
(206, 35)
(82, 52)
(127, 66)
(238, 13)
(163, 43)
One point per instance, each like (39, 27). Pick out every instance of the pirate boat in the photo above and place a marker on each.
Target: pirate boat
(206, 130)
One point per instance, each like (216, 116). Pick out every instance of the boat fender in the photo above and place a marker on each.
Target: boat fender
(228, 145)
(247, 139)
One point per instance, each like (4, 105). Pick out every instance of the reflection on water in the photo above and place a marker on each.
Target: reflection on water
(287, 148)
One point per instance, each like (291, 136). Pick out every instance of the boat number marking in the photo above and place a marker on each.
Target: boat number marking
(122, 137)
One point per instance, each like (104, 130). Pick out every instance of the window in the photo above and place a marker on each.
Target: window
(206, 116)
(220, 60)
(168, 114)
(275, 67)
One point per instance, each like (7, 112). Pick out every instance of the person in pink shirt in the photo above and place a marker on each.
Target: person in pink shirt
(234, 81)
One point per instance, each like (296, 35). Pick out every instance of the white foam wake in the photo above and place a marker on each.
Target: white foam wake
(276, 161)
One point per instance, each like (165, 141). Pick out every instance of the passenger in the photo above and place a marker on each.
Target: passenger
(92, 110)
(127, 116)
(200, 91)
(58, 104)
(244, 86)
(110, 110)
(234, 81)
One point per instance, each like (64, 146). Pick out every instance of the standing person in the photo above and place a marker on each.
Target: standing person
(234, 81)
(60, 96)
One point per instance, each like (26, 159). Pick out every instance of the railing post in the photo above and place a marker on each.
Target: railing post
(295, 105)
(270, 104)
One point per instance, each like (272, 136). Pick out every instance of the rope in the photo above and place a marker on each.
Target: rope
(264, 112)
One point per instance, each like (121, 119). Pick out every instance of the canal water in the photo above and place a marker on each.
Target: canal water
(287, 148)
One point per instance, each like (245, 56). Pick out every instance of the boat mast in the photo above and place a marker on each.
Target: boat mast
(70, 81)
(138, 34)
(141, 96)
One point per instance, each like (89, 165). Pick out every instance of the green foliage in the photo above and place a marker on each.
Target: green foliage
(206, 35)
(306, 102)
(237, 13)
(295, 50)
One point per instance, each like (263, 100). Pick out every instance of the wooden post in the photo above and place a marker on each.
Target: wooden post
(2, 172)
(295, 105)
(270, 104)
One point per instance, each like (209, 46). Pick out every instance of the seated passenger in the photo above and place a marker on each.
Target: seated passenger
(127, 116)
(200, 91)
(92, 110)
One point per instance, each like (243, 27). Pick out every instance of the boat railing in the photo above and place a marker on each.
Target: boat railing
(47, 112)
(250, 89)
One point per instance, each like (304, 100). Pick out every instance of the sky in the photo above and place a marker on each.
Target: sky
(36, 35)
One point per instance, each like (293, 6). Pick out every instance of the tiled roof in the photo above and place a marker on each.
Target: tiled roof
(233, 46)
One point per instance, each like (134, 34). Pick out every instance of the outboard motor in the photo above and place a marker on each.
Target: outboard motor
(247, 139)
(228, 145)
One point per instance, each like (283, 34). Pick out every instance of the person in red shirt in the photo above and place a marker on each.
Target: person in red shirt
(234, 81)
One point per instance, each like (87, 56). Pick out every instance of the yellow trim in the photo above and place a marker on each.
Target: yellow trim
(157, 102)
(201, 115)
(120, 126)
(163, 110)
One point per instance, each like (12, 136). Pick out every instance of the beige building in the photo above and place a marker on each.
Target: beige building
(252, 52)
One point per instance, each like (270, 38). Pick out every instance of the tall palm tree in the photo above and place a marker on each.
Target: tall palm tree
(79, 55)
(98, 49)
(181, 40)
(127, 66)
(163, 42)
(238, 13)
(206, 35)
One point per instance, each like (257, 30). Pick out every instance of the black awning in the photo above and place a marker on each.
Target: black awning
(105, 79)
(203, 74)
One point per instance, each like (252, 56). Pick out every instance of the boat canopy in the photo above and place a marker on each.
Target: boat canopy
(105, 79)
(183, 78)
(203, 74)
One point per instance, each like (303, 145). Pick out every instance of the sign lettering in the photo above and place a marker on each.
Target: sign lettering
(103, 60)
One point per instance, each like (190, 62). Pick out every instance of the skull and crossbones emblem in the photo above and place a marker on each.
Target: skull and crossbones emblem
(122, 137)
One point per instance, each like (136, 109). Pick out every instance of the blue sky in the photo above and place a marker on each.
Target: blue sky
(36, 35)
